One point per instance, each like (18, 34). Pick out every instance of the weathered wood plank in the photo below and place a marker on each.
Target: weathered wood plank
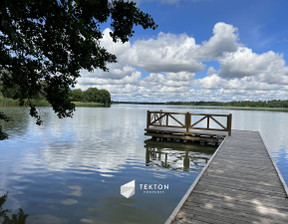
(239, 214)
(239, 199)
(233, 178)
(248, 185)
(240, 185)
(182, 137)
(251, 175)
(240, 194)
(183, 130)
(236, 205)
(243, 187)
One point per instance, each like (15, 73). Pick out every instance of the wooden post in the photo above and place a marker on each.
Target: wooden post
(148, 118)
(167, 121)
(208, 122)
(229, 124)
(187, 122)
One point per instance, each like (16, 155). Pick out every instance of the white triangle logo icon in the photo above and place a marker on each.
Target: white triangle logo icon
(128, 190)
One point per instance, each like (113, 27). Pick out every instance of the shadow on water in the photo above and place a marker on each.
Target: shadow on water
(19, 121)
(190, 157)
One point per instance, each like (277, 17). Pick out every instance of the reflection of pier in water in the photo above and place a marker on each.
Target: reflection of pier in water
(177, 156)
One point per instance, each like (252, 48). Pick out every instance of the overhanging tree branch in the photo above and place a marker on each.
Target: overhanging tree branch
(45, 43)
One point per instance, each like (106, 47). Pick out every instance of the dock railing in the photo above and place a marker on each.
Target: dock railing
(190, 121)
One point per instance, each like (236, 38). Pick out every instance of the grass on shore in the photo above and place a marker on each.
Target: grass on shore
(88, 104)
(8, 102)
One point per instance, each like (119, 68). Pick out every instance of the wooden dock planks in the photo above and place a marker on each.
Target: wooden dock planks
(180, 133)
(240, 184)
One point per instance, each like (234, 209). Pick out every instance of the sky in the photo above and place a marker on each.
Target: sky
(202, 50)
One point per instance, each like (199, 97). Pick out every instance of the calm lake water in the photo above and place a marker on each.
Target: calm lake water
(71, 170)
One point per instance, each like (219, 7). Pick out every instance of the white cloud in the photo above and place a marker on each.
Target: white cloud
(224, 40)
(117, 48)
(131, 79)
(154, 79)
(211, 70)
(171, 80)
(163, 69)
(166, 53)
(116, 72)
(269, 67)
(248, 83)
(209, 82)
(173, 53)
(180, 76)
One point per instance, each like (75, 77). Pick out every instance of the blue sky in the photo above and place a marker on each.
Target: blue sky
(260, 22)
(217, 50)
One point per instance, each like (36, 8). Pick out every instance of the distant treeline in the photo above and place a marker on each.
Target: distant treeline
(247, 103)
(94, 95)
(90, 97)
(135, 102)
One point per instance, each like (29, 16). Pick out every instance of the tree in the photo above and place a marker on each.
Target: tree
(76, 95)
(19, 218)
(105, 97)
(45, 43)
(91, 95)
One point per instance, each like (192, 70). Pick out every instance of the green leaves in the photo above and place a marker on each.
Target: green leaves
(3, 135)
(45, 43)
(124, 16)
(19, 218)
(91, 95)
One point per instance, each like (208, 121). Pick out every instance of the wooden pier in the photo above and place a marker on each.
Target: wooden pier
(188, 126)
(240, 184)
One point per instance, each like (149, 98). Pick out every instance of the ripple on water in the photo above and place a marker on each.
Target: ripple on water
(71, 170)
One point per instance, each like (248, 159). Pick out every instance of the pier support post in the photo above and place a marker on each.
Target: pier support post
(187, 121)
(148, 119)
(208, 122)
(229, 124)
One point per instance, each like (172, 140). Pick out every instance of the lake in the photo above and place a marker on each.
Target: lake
(71, 170)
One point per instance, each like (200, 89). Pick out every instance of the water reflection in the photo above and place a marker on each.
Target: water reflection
(176, 156)
(18, 124)
(281, 161)
(70, 170)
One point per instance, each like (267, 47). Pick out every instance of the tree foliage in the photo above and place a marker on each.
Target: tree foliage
(19, 218)
(45, 43)
(91, 95)
(3, 117)
(76, 95)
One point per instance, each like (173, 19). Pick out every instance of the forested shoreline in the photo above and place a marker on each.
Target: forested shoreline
(91, 97)
(246, 103)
